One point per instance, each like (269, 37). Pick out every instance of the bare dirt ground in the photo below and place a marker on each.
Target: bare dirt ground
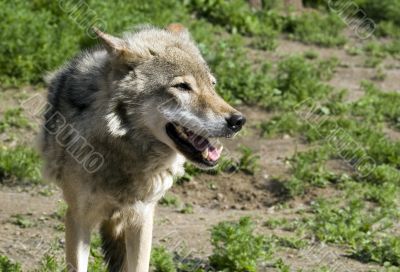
(214, 198)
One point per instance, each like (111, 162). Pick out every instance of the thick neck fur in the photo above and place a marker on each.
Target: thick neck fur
(112, 122)
(134, 154)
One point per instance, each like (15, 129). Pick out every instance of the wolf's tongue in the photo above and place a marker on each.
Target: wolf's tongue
(213, 153)
(202, 144)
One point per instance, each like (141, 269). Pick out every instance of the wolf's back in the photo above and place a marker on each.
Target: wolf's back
(73, 88)
(72, 93)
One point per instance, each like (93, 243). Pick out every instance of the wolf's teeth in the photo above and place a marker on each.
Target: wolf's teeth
(180, 131)
(205, 153)
(183, 135)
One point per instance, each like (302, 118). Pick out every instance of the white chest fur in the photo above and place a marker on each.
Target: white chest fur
(163, 180)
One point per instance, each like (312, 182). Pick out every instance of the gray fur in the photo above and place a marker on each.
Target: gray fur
(114, 102)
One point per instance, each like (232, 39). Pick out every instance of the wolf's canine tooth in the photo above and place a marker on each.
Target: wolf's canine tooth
(205, 153)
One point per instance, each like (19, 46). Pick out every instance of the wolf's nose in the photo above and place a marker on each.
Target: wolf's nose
(236, 121)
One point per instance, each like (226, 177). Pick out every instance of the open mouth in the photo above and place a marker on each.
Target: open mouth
(193, 146)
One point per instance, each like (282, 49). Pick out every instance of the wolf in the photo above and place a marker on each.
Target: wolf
(144, 103)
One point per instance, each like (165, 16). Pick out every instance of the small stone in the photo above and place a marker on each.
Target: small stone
(271, 209)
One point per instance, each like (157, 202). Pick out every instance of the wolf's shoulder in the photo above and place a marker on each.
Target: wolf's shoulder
(75, 84)
(82, 66)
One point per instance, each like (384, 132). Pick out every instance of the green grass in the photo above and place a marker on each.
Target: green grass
(294, 80)
(170, 200)
(13, 118)
(363, 229)
(236, 247)
(60, 33)
(380, 74)
(384, 13)
(162, 261)
(388, 29)
(285, 123)
(22, 221)
(236, 16)
(247, 86)
(298, 79)
(6, 265)
(280, 264)
(378, 106)
(317, 28)
(49, 263)
(377, 52)
(274, 223)
(19, 163)
(336, 224)
(311, 54)
(293, 242)
(249, 162)
(187, 209)
(385, 251)
(309, 168)
(375, 108)
(308, 171)
(381, 11)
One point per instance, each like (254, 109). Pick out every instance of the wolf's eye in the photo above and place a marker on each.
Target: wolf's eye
(183, 86)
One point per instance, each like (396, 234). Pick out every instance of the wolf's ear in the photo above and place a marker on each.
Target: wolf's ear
(116, 46)
(175, 28)
(113, 44)
(178, 29)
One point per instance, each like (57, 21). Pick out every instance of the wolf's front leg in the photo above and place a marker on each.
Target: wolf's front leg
(138, 239)
(77, 239)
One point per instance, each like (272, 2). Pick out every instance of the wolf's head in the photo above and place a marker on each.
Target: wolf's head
(163, 85)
